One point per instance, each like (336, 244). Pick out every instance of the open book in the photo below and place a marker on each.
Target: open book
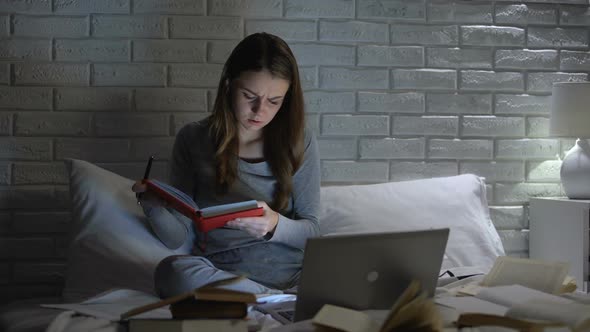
(413, 311)
(519, 307)
(521, 293)
(545, 276)
(208, 218)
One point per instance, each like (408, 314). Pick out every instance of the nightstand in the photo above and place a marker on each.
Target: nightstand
(560, 231)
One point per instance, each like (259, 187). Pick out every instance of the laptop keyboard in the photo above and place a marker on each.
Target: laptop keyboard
(284, 311)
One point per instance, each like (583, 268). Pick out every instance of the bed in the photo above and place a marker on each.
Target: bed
(112, 246)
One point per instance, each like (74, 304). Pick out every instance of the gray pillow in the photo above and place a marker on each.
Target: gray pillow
(111, 244)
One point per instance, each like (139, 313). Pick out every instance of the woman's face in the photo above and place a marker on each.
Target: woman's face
(257, 96)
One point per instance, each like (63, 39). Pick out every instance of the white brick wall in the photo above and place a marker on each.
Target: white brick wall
(395, 90)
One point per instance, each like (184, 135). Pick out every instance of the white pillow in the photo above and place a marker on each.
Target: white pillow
(111, 244)
(457, 202)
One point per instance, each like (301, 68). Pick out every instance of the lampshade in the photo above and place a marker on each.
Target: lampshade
(570, 110)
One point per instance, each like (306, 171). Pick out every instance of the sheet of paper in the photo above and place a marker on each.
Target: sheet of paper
(536, 274)
(572, 314)
(578, 297)
(449, 315)
(110, 305)
(468, 304)
(469, 289)
(508, 296)
(460, 287)
(121, 296)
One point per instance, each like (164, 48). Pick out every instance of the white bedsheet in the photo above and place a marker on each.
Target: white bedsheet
(102, 312)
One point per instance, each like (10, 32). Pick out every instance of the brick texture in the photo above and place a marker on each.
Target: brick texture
(25, 49)
(264, 8)
(288, 30)
(394, 90)
(182, 7)
(85, 6)
(316, 9)
(50, 26)
(33, 6)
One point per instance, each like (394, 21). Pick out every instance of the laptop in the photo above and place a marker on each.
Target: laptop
(362, 271)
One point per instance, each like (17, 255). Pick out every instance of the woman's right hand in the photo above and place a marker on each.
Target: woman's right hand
(145, 198)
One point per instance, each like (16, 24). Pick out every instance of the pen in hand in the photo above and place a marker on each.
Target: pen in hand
(148, 168)
(146, 175)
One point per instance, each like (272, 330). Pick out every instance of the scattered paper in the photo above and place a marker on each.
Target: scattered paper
(112, 304)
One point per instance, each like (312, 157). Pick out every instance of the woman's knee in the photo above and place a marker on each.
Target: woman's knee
(171, 276)
(163, 275)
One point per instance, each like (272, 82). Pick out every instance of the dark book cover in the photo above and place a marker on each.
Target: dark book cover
(193, 308)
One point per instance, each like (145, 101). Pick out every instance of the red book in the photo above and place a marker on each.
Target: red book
(208, 218)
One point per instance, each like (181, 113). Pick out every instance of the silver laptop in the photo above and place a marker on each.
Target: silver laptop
(364, 271)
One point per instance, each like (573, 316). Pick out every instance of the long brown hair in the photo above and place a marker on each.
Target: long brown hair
(283, 136)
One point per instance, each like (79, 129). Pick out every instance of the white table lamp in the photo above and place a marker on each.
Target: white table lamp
(570, 117)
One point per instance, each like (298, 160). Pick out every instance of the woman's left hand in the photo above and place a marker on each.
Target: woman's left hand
(257, 226)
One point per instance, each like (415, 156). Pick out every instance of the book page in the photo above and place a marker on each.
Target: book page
(572, 314)
(536, 274)
(468, 304)
(217, 210)
(578, 297)
(509, 296)
(448, 315)
(176, 193)
(112, 304)
(344, 319)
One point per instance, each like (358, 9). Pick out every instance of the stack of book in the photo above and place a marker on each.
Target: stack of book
(208, 308)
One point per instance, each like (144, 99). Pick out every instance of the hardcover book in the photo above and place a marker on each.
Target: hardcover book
(208, 218)
(209, 301)
(188, 325)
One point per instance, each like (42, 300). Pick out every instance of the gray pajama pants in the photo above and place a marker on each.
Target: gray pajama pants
(269, 267)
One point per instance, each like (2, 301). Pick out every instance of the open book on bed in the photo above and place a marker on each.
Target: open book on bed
(208, 218)
(523, 294)
(519, 307)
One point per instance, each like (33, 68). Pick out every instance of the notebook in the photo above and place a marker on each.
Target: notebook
(362, 271)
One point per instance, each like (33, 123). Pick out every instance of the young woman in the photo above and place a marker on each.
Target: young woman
(253, 146)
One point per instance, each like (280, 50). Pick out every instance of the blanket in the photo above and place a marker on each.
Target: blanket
(102, 312)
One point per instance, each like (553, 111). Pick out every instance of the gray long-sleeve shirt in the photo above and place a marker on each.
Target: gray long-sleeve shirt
(193, 172)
